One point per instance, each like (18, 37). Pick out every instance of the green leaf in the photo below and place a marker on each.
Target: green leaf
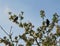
(21, 25)
(11, 17)
(9, 13)
(42, 13)
(12, 44)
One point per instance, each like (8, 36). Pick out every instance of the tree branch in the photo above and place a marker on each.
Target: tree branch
(4, 30)
(36, 40)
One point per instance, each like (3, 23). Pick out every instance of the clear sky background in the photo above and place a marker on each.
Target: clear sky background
(31, 10)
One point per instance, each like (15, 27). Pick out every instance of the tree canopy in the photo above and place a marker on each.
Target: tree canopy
(43, 36)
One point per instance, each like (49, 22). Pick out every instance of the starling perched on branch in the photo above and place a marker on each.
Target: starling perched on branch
(15, 20)
(47, 22)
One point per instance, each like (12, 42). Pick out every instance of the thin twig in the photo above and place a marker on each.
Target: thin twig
(10, 29)
(16, 44)
(10, 34)
(4, 30)
(36, 41)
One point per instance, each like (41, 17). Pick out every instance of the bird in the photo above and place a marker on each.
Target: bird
(47, 22)
(16, 18)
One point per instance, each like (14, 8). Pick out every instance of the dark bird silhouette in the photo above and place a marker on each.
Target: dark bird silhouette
(47, 22)
(15, 20)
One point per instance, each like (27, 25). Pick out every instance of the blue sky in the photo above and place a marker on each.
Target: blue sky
(31, 10)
